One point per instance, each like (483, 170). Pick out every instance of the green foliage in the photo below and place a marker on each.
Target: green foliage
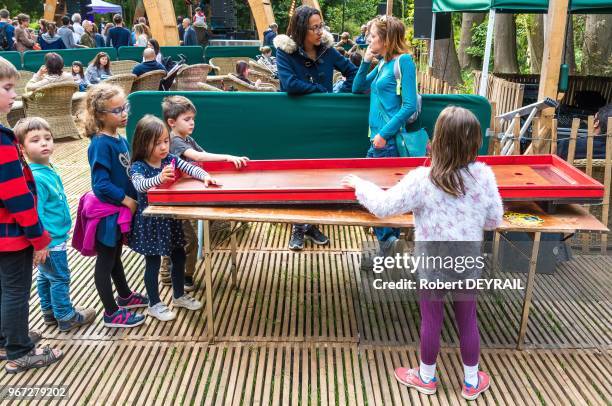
(479, 39)
(522, 44)
(31, 7)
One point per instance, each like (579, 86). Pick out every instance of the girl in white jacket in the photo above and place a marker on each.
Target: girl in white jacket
(455, 199)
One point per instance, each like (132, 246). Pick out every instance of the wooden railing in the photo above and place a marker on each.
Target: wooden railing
(431, 85)
(506, 95)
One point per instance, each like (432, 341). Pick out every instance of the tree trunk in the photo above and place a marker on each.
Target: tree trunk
(535, 40)
(505, 55)
(139, 10)
(468, 21)
(597, 48)
(446, 63)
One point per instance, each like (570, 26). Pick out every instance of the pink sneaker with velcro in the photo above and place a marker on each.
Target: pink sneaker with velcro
(412, 378)
(470, 392)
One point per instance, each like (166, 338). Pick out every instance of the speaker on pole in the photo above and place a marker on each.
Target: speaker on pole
(422, 21)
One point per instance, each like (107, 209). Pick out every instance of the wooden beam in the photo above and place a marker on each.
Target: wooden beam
(49, 10)
(162, 21)
(262, 14)
(551, 60)
(312, 3)
(389, 7)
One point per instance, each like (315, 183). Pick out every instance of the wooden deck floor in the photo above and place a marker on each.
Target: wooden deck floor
(306, 328)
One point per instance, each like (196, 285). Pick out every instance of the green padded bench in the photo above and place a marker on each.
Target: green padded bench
(232, 51)
(194, 54)
(13, 57)
(32, 60)
(278, 126)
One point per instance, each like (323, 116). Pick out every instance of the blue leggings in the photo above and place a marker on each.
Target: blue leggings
(177, 274)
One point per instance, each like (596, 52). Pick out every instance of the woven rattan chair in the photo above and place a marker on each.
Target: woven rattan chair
(125, 81)
(121, 67)
(54, 103)
(148, 81)
(24, 78)
(188, 77)
(9, 119)
(205, 87)
(265, 79)
(232, 83)
(259, 67)
(223, 66)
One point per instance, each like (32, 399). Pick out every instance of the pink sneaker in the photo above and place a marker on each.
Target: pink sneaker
(412, 379)
(470, 392)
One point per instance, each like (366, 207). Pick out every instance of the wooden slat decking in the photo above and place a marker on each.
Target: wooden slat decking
(307, 328)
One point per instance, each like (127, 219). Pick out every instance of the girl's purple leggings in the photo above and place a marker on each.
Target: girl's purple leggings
(432, 315)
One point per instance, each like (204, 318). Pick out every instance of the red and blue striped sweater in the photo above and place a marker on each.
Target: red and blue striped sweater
(19, 223)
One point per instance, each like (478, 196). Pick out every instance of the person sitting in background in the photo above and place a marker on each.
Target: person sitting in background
(118, 36)
(341, 51)
(66, 33)
(362, 38)
(154, 45)
(88, 39)
(50, 39)
(106, 30)
(99, 69)
(345, 41)
(180, 28)
(51, 72)
(242, 72)
(7, 28)
(266, 59)
(355, 59)
(600, 130)
(24, 39)
(77, 28)
(190, 37)
(149, 64)
(78, 75)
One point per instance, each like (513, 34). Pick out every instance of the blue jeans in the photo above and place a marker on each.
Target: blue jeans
(53, 284)
(388, 151)
(15, 284)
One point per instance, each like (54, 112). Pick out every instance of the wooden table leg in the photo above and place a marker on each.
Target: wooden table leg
(234, 254)
(208, 281)
(533, 262)
(495, 260)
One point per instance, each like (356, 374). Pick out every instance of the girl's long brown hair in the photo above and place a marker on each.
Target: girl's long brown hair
(148, 130)
(457, 138)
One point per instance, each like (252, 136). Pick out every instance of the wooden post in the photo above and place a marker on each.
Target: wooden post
(162, 21)
(49, 10)
(605, 210)
(551, 59)
(586, 237)
(263, 15)
(516, 131)
(553, 138)
(571, 149)
(533, 263)
(311, 3)
(389, 7)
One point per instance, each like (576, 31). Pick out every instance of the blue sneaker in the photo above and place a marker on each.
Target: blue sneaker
(81, 318)
(123, 318)
(133, 301)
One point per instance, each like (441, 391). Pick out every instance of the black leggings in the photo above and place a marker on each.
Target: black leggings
(108, 265)
(177, 273)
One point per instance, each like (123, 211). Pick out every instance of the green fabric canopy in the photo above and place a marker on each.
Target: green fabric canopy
(520, 6)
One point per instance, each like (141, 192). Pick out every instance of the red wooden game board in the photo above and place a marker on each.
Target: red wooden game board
(526, 178)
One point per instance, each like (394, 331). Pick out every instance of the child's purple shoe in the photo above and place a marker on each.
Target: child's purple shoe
(133, 301)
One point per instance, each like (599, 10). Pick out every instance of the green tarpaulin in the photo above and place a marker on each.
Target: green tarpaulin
(13, 57)
(278, 126)
(32, 60)
(520, 6)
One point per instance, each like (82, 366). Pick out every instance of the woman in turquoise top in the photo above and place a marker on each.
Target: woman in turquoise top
(390, 105)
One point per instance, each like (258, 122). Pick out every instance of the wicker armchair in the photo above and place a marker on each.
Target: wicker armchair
(121, 67)
(24, 78)
(259, 67)
(54, 103)
(266, 79)
(125, 81)
(188, 77)
(148, 81)
(205, 87)
(232, 83)
(223, 66)
(17, 112)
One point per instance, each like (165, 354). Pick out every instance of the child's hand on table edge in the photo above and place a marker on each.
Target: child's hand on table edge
(350, 181)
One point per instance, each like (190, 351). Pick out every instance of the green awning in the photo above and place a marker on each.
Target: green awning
(520, 6)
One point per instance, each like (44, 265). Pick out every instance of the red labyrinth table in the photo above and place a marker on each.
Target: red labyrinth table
(542, 178)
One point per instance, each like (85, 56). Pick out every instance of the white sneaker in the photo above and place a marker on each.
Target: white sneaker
(161, 312)
(187, 302)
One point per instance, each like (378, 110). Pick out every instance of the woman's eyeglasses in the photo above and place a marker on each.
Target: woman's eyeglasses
(118, 110)
(317, 28)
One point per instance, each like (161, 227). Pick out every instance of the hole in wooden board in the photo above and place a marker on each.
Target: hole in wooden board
(399, 174)
(530, 183)
(518, 173)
